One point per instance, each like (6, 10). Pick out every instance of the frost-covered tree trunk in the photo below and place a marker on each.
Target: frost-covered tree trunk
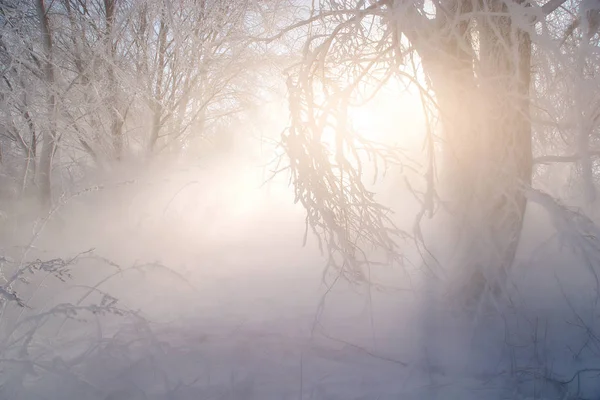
(116, 124)
(476, 65)
(30, 169)
(588, 21)
(483, 99)
(49, 133)
(157, 97)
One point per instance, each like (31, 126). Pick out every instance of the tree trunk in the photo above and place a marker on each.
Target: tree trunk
(483, 100)
(116, 127)
(585, 124)
(30, 169)
(77, 39)
(49, 134)
(31, 161)
(157, 98)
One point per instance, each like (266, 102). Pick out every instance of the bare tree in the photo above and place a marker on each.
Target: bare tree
(116, 79)
(117, 120)
(472, 63)
(49, 135)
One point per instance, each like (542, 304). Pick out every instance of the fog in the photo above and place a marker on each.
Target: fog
(203, 289)
(265, 200)
(217, 295)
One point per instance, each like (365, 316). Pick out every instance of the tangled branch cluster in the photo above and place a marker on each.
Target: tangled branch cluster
(329, 160)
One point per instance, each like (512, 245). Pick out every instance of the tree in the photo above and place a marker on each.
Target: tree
(49, 136)
(117, 79)
(19, 132)
(473, 63)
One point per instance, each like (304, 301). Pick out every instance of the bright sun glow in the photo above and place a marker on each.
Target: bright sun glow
(392, 117)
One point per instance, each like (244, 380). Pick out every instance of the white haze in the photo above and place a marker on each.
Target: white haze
(233, 301)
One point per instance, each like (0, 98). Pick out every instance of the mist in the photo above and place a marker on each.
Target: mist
(225, 299)
(204, 286)
(271, 200)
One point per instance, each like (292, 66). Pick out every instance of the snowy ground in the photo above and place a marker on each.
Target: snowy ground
(241, 311)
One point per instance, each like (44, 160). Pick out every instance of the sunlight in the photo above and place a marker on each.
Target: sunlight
(393, 117)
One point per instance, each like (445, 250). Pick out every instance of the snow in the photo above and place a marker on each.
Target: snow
(235, 308)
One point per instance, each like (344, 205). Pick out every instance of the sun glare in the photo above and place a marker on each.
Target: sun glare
(393, 117)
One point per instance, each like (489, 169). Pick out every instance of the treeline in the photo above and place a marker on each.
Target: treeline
(87, 83)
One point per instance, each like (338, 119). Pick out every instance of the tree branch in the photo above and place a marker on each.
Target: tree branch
(551, 6)
(563, 159)
(358, 13)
